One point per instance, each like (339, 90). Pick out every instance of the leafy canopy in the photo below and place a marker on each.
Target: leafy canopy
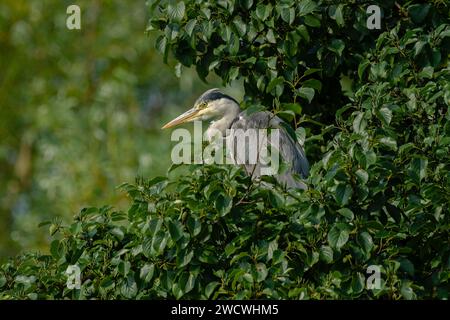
(379, 187)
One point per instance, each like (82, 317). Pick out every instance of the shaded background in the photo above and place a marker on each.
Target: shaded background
(80, 111)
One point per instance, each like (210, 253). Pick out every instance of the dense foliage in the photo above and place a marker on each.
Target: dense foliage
(379, 188)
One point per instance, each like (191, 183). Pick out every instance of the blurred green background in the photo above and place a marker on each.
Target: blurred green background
(80, 111)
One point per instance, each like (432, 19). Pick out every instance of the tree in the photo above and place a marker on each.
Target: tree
(379, 186)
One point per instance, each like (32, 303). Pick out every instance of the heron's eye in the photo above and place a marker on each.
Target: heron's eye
(202, 105)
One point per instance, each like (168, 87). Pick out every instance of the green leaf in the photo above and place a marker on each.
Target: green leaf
(362, 66)
(379, 70)
(311, 71)
(250, 61)
(129, 288)
(313, 83)
(358, 283)
(209, 289)
(359, 123)
(194, 225)
(107, 284)
(366, 242)
(118, 233)
(288, 15)
(407, 291)
(230, 249)
(176, 12)
(44, 223)
(175, 230)
(124, 267)
(339, 15)
(389, 142)
(270, 36)
(427, 72)
(300, 134)
(161, 45)
(254, 108)
(286, 115)
(436, 58)
(147, 272)
(154, 225)
(206, 12)
(187, 282)
(226, 33)
(240, 26)
(234, 45)
(261, 83)
(183, 258)
(223, 204)
(56, 249)
(347, 213)
(190, 26)
(303, 31)
(208, 257)
(274, 83)
(246, 4)
(306, 7)
(337, 46)
(394, 212)
(362, 176)
(159, 243)
(343, 194)
(262, 272)
(294, 107)
(247, 277)
(444, 33)
(312, 21)
(418, 12)
(275, 198)
(306, 93)
(176, 291)
(338, 236)
(385, 115)
(326, 254)
(273, 245)
(406, 265)
(263, 11)
(418, 169)
(312, 258)
(233, 73)
(272, 63)
(2, 280)
(418, 47)
(213, 65)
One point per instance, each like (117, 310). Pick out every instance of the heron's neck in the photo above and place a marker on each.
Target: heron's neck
(223, 123)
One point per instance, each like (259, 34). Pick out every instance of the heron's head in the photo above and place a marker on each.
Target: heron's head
(211, 104)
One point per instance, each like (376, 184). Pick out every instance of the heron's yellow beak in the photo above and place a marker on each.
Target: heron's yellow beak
(189, 115)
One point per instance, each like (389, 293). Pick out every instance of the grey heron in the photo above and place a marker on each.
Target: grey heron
(225, 113)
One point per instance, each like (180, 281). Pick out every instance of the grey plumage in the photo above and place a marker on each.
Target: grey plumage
(225, 113)
(290, 151)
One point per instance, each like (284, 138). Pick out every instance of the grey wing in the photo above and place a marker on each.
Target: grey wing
(290, 150)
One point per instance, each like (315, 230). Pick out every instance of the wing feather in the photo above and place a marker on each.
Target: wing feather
(290, 150)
